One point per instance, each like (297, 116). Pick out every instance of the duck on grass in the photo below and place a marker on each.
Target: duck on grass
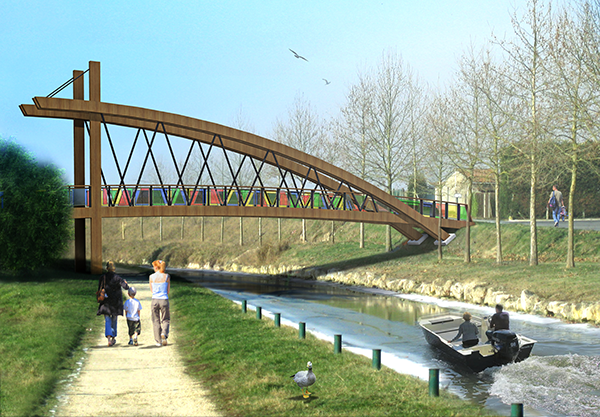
(304, 379)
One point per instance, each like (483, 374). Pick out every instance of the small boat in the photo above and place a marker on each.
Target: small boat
(505, 346)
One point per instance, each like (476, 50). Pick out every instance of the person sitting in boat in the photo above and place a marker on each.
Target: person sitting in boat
(468, 331)
(499, 321)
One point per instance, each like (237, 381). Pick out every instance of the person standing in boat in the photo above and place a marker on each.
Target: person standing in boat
(468, 331)
(499, 321)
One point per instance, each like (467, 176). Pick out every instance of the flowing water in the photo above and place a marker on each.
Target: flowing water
(561, 378)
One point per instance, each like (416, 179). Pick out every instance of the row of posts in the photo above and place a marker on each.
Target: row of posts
(434, 374)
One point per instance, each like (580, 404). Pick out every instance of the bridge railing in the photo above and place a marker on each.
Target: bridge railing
(184, 195)
(431, 208)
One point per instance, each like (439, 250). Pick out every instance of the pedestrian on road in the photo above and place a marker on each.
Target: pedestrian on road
(556, 203)
(160, 285)
(112, 306)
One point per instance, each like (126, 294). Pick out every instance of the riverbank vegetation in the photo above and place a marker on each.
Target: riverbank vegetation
(246, 363)
(44, 318)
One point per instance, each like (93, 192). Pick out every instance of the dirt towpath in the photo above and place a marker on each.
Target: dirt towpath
(143, 380)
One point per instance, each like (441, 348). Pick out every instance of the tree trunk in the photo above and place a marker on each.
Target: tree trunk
(241, 231)
(202, 229)
(332, 231)
(222, 229)
(362, 235)
(279, 229)
(571, 236)
(468, 232)
(533, 250)
(388, 238)
(497, 208)
(303, 230)
(439, 249)
(260, 231)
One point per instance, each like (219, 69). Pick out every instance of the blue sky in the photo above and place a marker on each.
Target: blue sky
(214, 59)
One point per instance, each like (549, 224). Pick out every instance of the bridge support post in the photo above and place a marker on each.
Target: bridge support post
(79, 172)
(95, 174)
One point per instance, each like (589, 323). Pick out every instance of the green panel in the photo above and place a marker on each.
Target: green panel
(157, 198)
(177, 196)
(232, 198)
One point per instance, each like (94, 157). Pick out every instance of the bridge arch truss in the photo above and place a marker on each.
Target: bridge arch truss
(307, 188)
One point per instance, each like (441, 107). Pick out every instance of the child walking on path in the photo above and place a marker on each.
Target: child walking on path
(132, 309)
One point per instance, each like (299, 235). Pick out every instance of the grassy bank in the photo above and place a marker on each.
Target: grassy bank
(246, 364)
(44, 317)
(549, 280)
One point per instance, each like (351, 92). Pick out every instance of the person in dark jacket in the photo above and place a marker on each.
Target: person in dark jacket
(499, 321)
(112, 306)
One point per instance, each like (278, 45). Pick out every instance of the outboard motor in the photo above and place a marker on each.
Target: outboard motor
(507, 343)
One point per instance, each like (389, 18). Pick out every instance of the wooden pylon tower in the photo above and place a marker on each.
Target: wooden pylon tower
(95, 164)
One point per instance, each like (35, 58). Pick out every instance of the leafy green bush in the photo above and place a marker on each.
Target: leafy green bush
(35, 222)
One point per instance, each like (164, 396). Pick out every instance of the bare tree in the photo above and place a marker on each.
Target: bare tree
(528, 79)
(245, 167)
(305, 131)
(498, 125)
(576, 95)
(468, 143)
(391, 127)
(440, 132)
(352, 132)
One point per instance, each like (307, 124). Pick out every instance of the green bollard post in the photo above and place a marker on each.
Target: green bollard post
(377, 359)
(277, 319)
(337, 343)
(259, 313)
(516, 410)
(244, 306)
(434, 382)
(301, 330)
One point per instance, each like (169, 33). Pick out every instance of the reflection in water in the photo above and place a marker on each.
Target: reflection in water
(369, 318)
(385, 307)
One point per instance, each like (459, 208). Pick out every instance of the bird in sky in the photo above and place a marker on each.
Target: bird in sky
(304, 379)
(299, 56)
(326, 82)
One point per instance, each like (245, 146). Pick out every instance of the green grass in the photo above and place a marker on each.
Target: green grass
(44, 317)
(247, 363)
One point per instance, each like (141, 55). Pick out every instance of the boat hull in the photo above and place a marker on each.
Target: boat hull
(439, 329)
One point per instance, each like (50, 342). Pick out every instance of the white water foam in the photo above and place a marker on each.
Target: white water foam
(561, 385)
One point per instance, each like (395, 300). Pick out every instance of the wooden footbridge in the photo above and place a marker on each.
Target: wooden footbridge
(306, 187)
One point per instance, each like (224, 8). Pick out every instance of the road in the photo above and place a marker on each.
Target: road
(579, 224)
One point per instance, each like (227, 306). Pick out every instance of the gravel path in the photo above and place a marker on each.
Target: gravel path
(143, 380)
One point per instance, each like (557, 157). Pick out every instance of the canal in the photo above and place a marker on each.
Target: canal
(561, 378)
